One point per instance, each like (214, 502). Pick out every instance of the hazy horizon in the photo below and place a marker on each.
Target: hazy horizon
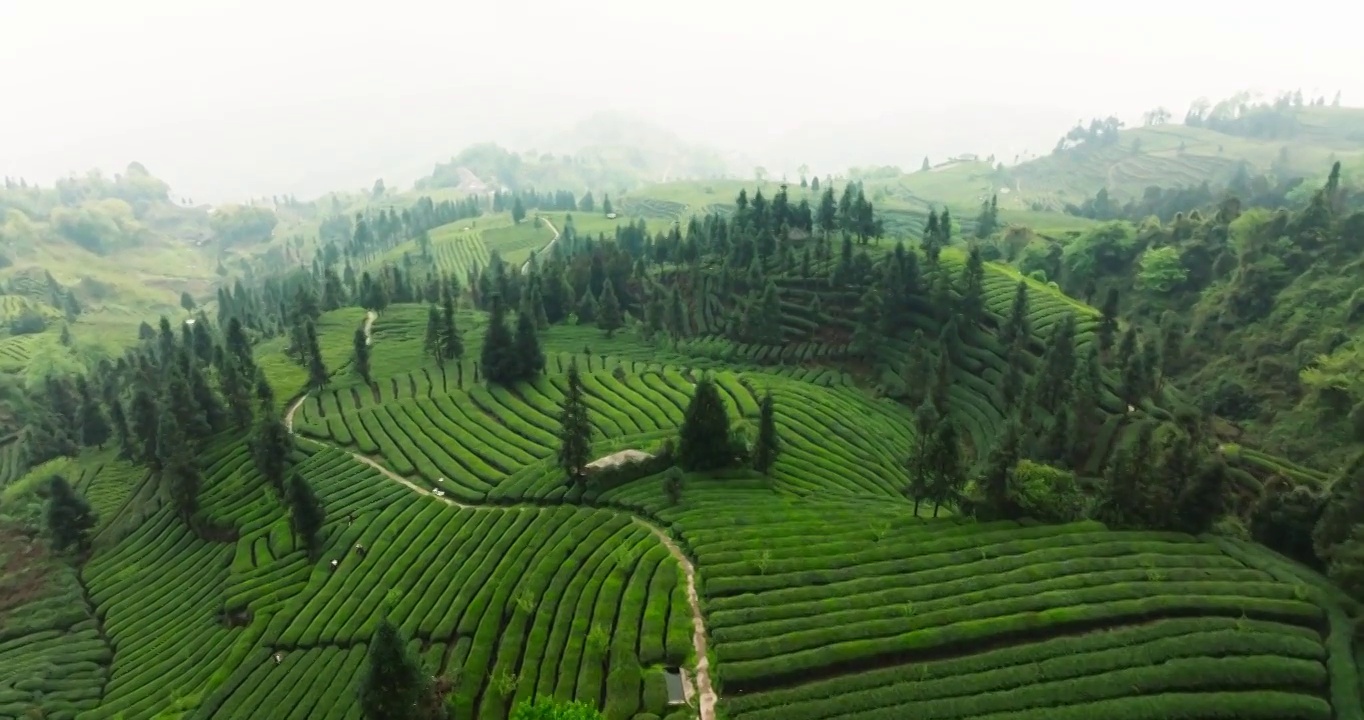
(255, 98)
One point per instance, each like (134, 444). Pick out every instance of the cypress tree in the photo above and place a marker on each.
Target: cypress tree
(1108, 322)
(769, 444)
(587, 308)
(919, 462)
(945, 464)
(271, 445)
(432, 342)
(704, 440)
(530, 358)
(609, 316)
(306, 514)
(1018, 323)
(499, 355)
(361, 345)
(95, 428)
(451, 339)
(317, 371)
(393, 686)
(236, 389)
(575, 429)
(69, 517)
(675, 319)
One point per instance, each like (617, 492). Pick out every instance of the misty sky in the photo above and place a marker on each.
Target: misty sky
(264, 96)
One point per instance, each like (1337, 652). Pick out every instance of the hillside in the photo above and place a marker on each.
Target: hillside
(1261, 302)
(604, 153)
(1166, 155)
(1174, 155)
(886, 481)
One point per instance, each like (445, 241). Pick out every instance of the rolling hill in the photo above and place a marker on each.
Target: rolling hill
(818, 588)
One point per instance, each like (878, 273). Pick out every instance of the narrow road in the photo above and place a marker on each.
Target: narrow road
(370, 317)
(703, 684)
(548, 245)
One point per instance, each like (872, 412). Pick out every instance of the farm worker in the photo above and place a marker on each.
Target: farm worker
(279, 657)
(334, 564)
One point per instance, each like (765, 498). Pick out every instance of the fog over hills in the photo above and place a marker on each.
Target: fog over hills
(255, 98)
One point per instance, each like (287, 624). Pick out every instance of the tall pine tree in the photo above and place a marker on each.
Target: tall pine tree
(361, 350)
(575, 429)
(69, 517)
(704, 440)
(393, 686)
(768, 444)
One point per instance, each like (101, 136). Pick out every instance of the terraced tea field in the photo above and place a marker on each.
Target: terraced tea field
(509, 603)
(813, 592)
(824, 608)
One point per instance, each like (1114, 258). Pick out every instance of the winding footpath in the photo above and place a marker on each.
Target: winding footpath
(545, 250)
(703, 684)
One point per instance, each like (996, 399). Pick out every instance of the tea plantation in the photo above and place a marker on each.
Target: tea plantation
(813, 590)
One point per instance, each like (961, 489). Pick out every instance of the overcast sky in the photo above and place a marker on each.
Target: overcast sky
(267, 96)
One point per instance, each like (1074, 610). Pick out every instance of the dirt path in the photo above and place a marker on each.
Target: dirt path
(370, 317)
(698, 637)
(703, 685)
(548, 245)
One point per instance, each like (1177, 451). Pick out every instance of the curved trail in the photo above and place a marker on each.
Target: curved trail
(703, 684)
(526, 266)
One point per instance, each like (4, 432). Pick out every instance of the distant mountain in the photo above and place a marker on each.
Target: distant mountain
(606, 152)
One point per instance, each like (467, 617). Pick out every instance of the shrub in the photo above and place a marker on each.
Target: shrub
(1046, 493)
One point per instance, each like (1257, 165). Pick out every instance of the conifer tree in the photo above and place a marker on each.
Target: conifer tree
(499, 353)
(768, 443)
(919, 462)
(1018, 323)
(306, 514)
(866, 338)
(451, 339)
(265, 395)
(769, 331)
(587, 308)
(432, 340)
(317, 371)
(181, 476)
(946, 465)
(996, 480)
(119, 419)
(144, 424)
(676, 317)
(654, 311)
(704, 440)
(575, 429)
(361, 350)
(95, 428)
(236, 388)
(1108, 321)
(271, 445)
(393, 686)
(68, 516)
(609, 316)
(973, 289)
(530, 358)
